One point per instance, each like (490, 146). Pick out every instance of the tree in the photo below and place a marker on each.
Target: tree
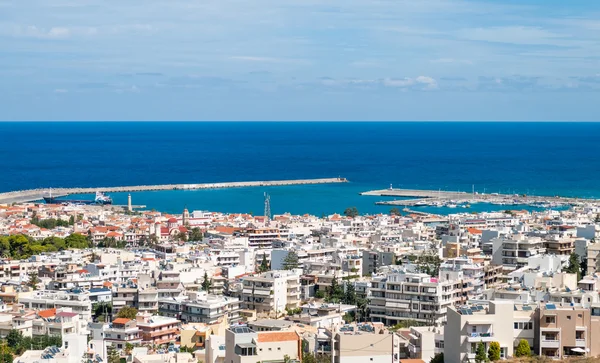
(113, 355)
(290, 261)
(264, 265)
(14, 338)
(77, 240)
(480, 356)
(351, 212)
(128, 348)
(574, 265)
(127, 312)
(494, 351)
(349, 294)
(182, 236)
(286, 359)
(196, 234)
(438, 358)
(33, 280)
(206, 282)
(319, 294)
(395, 212)
(102, 311)
(336, 292)
(523, 349)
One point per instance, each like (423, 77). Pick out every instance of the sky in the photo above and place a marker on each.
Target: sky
(300, 60)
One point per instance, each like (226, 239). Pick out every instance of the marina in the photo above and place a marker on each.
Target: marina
(458, 199)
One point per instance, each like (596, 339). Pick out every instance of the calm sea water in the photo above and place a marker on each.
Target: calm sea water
(534, 158)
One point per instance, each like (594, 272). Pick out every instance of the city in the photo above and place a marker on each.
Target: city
(104, 284)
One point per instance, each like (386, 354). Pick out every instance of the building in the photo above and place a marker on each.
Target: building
(272, 291)
(244, 345)
(517, 250)
(121, 332)
(567, 330)
(359, 343)
(425, 342)
(77, 300)
(372, 260)
(500, 321)
(400, 296)
(158, 329)
(200, 307)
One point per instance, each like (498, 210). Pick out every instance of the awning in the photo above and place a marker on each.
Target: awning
(578, 350)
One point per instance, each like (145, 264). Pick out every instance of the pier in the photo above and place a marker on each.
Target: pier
(38, 194)
(439, 198)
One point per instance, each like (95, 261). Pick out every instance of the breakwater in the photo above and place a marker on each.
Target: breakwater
(439, 198)
(38, 194)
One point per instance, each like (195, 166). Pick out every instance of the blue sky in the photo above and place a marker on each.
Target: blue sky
(299, 60)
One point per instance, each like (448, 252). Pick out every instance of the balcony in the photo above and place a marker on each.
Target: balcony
(480, 337)
(550, 343)
(580, 343)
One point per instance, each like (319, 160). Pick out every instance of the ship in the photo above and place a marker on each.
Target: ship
(100, 199)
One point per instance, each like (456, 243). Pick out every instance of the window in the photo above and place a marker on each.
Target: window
(568, 317)
(278, 348)
(530, 325)
(550, 320)
(580, 315)
(474, 330)
(473, 347)
(516, 325)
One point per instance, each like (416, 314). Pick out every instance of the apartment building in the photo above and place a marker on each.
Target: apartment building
(593, 258)
(271, 291)
(359, 343)
(77, 300)
(372, 260)
(500, 321)
(200, 307)
(516, 251)
(244, 345)
(557, 245)
(425, 342)
(122, 331)
(400, 296)
(569, 330)
(157, 329)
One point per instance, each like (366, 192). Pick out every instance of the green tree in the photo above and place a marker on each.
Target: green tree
(523, 349)
(206, 282)
(480, 356)
(264, 265)
(286, 359)
(127, 312)
(438, 358)
(72, 220)
(14, 338)
(574, 266)
(182, 236)
(395, 212)
(349, 294)
(33, 280)
(128, 348)
(351, 212)
(290, 261)
(494, 351)
(77, 240)
(336, 292)
(102, 311)
(196, 234)
(112, 355)
(319, 294)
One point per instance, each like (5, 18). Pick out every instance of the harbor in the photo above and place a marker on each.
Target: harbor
(39, 194)
(459, 199)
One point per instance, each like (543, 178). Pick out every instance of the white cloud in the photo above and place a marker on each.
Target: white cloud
(61, 90)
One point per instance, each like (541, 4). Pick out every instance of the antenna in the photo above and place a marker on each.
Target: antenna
(267, 209)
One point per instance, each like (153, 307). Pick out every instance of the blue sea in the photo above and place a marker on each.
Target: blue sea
(534, 158)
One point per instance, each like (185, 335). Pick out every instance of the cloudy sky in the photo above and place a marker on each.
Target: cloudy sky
(299, 60)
